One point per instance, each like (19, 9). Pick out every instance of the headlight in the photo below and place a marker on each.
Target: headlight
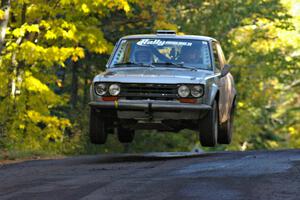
(197, 91)
(183, 91)
(114, 89)
(100, 89)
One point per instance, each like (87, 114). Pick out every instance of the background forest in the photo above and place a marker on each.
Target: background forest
(51, 49)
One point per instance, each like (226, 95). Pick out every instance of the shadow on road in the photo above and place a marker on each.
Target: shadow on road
(146, 157)
(111, 158)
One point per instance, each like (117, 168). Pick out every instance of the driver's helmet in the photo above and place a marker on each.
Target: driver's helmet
(191, 54)
(143, 56)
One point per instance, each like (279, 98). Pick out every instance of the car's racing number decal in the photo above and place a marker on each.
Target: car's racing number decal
(147, 42)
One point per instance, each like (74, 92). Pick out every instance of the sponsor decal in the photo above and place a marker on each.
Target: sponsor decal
(147, 42)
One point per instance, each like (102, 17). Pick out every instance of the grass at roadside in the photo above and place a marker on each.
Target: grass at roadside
(10, 156)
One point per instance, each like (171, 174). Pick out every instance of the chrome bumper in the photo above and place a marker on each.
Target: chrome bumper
(149, 105)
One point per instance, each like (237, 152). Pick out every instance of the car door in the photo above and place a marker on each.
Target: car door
(219, 60)
(229, 90)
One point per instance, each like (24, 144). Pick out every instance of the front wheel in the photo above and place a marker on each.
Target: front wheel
(209, 127)
(125, 135)
(98, 133)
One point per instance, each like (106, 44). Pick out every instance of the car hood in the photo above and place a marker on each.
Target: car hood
(153, 75)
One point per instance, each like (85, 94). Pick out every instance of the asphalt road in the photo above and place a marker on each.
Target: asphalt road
(265, 175)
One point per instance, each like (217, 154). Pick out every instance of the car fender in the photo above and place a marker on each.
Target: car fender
(213, 94)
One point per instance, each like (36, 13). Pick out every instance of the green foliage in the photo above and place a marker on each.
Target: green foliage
(261, 40)
(41, 36)
(52, 50)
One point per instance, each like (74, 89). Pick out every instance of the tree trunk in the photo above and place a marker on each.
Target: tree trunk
(5, 5)
(16, 67)
(74, 84)
(86, 85)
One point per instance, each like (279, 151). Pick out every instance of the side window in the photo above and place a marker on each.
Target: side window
(221, 55)
(122, 53)
(216, 57)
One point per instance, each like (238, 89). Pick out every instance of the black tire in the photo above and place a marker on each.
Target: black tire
(98, 134)
(226, 128)
(125, 135)
(209, 127)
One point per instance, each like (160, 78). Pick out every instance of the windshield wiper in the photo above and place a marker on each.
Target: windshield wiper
(125, 63)
(133, 63)
(179, 65)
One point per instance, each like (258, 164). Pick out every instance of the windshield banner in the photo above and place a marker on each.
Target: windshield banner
(147, 42)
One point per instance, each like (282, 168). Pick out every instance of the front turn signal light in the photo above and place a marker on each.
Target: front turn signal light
(109, 98)
(187, 100)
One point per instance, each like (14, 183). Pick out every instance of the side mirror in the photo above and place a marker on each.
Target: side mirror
(225, 70)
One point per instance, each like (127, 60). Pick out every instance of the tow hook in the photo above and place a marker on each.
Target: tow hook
(149, 112)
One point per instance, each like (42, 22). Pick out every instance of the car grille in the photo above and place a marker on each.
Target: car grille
(149, 91)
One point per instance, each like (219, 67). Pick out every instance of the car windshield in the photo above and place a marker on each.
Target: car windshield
(178, 53)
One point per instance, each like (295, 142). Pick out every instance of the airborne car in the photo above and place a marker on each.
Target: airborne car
(164, 82)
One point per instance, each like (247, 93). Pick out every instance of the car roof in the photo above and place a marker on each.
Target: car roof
(169, 36)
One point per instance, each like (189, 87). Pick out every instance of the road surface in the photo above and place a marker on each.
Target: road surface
(265, 175)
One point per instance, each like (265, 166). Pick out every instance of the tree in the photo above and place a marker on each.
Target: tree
(50, 51)
(40, 37)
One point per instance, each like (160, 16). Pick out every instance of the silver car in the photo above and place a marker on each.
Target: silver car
(165, 82)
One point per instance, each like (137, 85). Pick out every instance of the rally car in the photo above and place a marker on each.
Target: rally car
(164, 82)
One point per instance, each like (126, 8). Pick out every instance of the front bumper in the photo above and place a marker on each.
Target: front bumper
(151, 105)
